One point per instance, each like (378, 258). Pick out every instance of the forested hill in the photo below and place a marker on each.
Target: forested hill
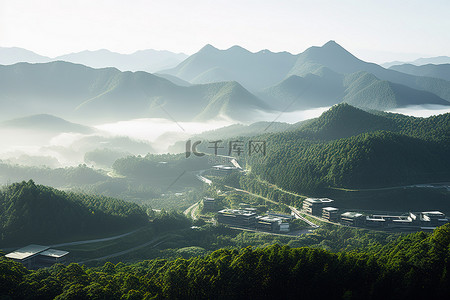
(344, 120)
(31, 213)
(348, 147)
(413, 267)
(368, 160)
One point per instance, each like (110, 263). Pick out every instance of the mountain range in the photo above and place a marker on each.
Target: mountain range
(80, 93)
(324, 87)
(441, 71)
(45, 122)
(323, 76)
(437, 60)
(233, 83)
(253, 70)
(144, 60)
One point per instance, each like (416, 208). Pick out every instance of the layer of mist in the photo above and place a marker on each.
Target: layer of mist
(423, 111)
(136, 137)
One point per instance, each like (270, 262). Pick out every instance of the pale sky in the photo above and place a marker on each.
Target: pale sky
(379, 30)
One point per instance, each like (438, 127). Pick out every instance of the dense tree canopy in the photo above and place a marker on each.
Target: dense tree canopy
(347, 147)
(414, 266)
(39, 214)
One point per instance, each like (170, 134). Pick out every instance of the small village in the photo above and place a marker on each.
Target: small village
(247, 217)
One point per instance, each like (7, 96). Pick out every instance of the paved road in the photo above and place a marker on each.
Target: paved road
(204, 179)
(160, 239)
(96, 240)
(85, 241)
(290, 234)
(278, 188)
(250, 193)
(190, 211)
(299, 216)
(419, 185)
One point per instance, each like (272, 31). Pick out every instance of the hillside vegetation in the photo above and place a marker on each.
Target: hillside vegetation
(348, 147)
(31, 213)
(415, 266)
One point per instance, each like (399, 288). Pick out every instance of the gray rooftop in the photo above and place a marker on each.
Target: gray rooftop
(224, 167)
(351, 214)
(318, 200)
(270, 219)
(375, 219)
(435, 213)
(26, 252)
(242, 212)
(54, 253)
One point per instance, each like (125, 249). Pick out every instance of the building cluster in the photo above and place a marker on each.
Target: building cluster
(248, 218)
(408, 221)
(37, 256)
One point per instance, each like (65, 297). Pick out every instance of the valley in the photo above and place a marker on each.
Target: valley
(165, 175)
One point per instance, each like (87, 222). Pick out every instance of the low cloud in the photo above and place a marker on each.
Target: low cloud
(423, 111)
(293, 116)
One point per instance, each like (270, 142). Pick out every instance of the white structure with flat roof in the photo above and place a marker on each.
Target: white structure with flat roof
(314, 206)
(220, 170)
(237, 217)
(53, 256)
(26, 252)
(35, 255)
(330, 213)
(352, 218)
(433, 218)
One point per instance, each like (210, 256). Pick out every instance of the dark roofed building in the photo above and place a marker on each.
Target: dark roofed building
(237, 217)
(209, 204)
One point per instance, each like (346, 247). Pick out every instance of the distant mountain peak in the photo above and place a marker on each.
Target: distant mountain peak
(329, 52)
(237, 48)
(45, 122)
(267, 51)
(331, 43)
(333, 46)
(208, 48)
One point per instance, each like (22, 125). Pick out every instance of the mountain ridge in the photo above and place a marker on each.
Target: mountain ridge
(148, 60)
(441, 71)
(78, 92)
(45, 122)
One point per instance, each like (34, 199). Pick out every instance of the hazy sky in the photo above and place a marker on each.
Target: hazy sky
(380, 30)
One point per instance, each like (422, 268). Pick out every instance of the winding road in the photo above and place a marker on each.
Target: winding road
(190, 211)
(160, 240)
(97, 240)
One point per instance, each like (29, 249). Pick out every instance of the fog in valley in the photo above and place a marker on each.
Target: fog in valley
(37, 147)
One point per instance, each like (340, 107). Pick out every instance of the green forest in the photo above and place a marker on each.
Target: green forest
(40, 214)
(411, 267)
(348, 147)
(345, 148)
